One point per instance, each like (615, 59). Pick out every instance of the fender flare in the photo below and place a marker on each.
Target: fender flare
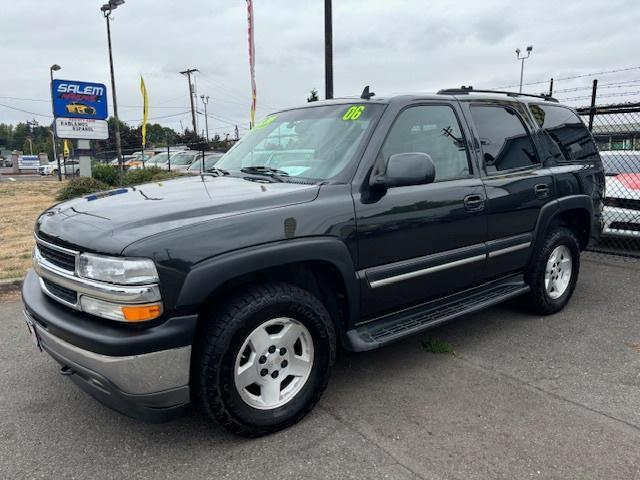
(207, 276)
(554, 208)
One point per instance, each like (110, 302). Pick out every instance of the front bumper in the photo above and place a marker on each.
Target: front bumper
(143, 373)
(621, 222)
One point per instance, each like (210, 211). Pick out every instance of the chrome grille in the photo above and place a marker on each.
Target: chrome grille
(59, 258)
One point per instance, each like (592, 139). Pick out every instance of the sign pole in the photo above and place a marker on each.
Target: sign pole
(53, 128)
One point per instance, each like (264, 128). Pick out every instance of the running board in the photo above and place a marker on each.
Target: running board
(396, 326)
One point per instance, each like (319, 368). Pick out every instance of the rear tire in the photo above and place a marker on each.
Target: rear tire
(247, 341)
(553, 271)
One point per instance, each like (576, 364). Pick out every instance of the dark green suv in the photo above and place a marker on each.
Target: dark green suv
(349, 223)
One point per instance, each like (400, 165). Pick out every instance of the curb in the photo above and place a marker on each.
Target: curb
(10, 285)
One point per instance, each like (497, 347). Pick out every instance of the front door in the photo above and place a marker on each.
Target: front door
(420, 242)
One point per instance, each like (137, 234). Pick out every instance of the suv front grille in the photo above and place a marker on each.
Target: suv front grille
(60, 259)
(62, 293)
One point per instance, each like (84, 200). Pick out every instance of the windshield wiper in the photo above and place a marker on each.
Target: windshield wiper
(266, 171)
(214, 172)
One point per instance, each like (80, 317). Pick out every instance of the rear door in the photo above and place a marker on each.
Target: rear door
(517, 185)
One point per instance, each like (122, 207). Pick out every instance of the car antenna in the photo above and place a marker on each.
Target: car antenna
(366, 94)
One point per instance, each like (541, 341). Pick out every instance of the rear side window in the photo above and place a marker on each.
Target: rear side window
(434, 130)
(504, 141)
(566, 130)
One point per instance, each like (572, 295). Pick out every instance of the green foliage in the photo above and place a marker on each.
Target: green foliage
(434, 345)
(106, 173)
(77, 187)
(151, 174)
(110, 175)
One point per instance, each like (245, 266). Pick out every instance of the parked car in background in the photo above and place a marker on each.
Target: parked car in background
(69, 167)
(621, 213)
(48, 169)
(161, 160)
(210, 159)
(181, 160)
(125, 159)
(136, 163)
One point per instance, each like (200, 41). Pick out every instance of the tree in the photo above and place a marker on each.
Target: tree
(313, 96)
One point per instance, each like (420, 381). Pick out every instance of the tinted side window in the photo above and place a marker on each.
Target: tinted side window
(566, 130)
(504, 140)
(434, 130)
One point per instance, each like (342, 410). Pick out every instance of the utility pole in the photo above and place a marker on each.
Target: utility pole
(328, 50)
(193, 109)
(523, 58)
(106, 9)
(54, 68)
(205, 101)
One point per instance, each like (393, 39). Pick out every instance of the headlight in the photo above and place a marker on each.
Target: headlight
(120, 270)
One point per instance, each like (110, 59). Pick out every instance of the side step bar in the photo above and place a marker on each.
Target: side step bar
(396, 326)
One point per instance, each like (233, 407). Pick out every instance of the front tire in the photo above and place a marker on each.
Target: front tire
(553, 272)
(264, 359)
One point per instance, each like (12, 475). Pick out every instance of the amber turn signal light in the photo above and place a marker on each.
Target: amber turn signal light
(142, 313)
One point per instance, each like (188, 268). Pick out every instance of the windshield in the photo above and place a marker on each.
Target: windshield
(211, 160)
(620, 162)
(182, 158)
(159, 158)
(317, 142)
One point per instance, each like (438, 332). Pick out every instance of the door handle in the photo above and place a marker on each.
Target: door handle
(474, 203)
(541, 189)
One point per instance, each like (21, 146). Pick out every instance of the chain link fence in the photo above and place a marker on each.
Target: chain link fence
(616, 130)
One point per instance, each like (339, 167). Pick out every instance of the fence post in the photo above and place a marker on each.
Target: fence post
(551, 87)
(592, 110)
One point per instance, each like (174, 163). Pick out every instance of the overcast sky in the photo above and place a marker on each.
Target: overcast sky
(395, 46)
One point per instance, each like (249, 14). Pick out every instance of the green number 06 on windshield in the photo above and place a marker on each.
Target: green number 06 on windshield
(353, 113)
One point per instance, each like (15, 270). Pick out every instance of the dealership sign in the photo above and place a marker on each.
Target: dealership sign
(73, 99)
(82, 128)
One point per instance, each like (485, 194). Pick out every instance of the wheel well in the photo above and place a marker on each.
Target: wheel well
(578, 220)
(320, 278)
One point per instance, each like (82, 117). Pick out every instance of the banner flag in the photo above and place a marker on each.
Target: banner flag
(252, 64)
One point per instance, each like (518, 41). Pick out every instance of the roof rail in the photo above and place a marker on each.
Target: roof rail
(463, 90)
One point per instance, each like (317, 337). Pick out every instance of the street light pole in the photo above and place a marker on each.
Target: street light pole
(205, 101)
(328, 50)
(54, 68)
(522, 59)
(106, 9)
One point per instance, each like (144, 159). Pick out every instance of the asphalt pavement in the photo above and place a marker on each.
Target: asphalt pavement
(522, 397)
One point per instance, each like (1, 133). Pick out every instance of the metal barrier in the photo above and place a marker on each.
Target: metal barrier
(616, 130)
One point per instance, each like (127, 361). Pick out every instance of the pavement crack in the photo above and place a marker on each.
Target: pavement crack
(370, 436)
(497, 373)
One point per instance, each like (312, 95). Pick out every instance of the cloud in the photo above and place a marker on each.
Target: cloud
(395, 46)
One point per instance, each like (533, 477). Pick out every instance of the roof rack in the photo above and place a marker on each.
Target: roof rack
(463, 90)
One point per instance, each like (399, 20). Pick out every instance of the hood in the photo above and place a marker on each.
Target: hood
(109, 221)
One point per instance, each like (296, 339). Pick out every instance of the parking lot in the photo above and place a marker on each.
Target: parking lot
(521, 397)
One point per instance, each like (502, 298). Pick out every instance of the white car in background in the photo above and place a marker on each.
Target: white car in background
(180, 161)
(621, 213)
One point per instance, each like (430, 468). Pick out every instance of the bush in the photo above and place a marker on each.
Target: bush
(77, 187)
(151, 174)
(106, 173)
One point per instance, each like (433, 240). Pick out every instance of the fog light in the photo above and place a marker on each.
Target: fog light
(121, 313)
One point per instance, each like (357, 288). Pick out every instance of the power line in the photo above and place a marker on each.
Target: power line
(572, 77)
(25, 111)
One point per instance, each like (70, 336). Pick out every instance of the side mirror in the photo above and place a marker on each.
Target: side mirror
(404, 169)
